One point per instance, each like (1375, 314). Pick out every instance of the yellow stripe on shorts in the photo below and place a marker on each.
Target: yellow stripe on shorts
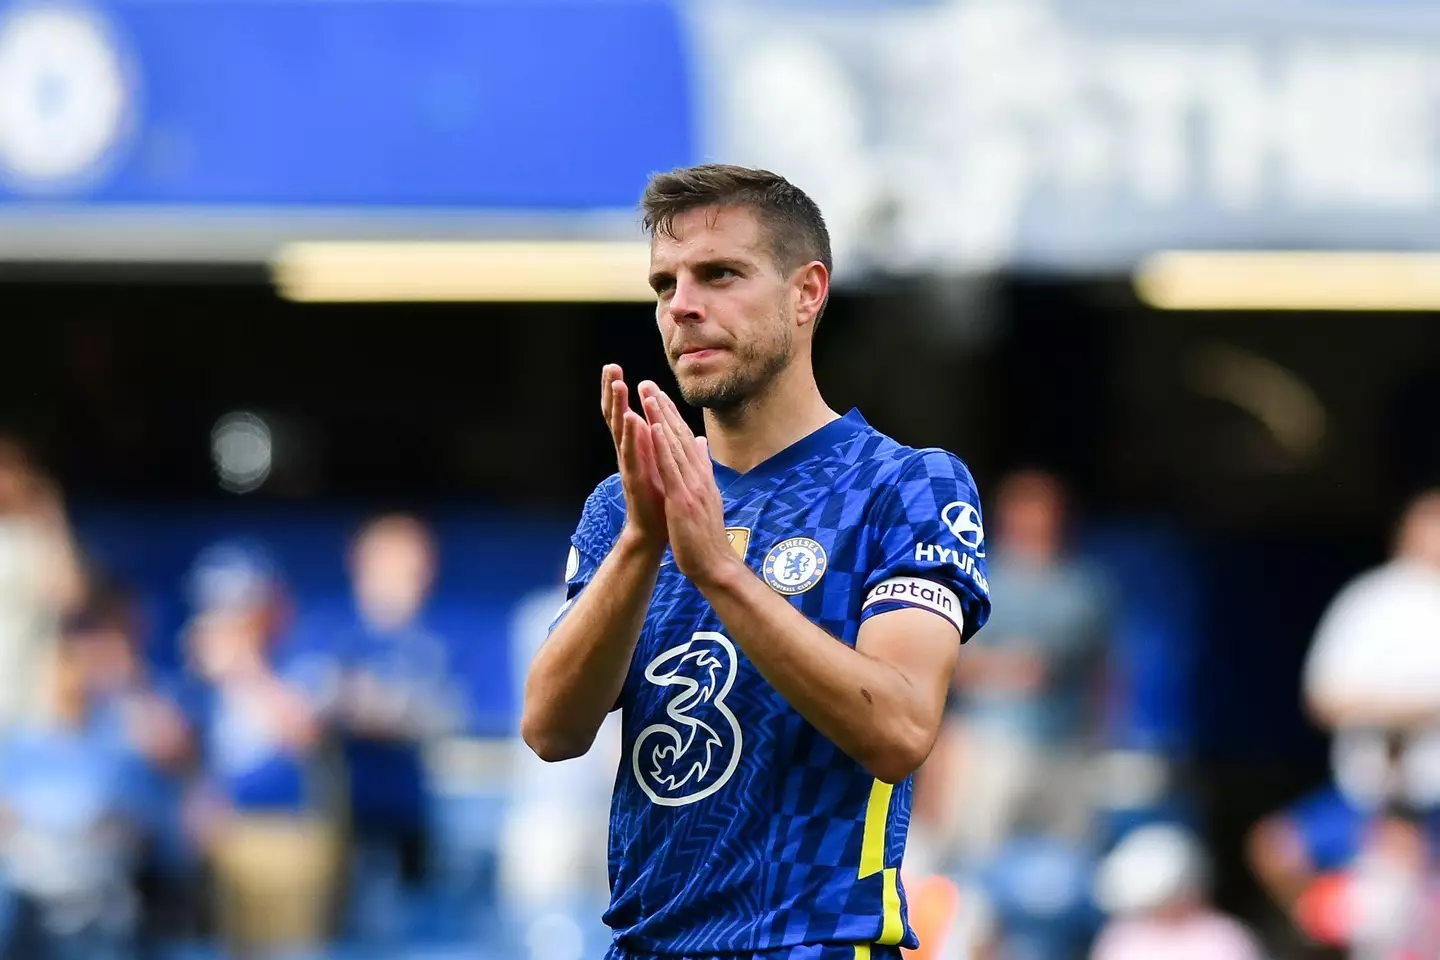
(872, 861)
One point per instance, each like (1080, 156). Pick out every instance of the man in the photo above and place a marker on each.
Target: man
(41, 578)
(776, 607)
(141, 713)
(268, 804)
(1027, 703)
(395, 696)
(1374, 664)
(72, 815)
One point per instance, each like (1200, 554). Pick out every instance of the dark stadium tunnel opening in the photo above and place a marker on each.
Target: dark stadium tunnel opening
(120, 381)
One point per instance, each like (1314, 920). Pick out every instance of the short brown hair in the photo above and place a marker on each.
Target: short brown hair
(793, 222)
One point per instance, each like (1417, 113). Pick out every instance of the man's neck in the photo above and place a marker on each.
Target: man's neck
(790, 410)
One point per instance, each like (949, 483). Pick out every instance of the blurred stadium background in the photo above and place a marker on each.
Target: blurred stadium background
(271, 270)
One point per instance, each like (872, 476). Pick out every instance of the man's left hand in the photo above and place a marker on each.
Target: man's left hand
(694, 509)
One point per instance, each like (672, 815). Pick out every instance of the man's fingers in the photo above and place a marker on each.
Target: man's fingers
(644, 443)
(638, 451)
(619, 400)
(608, 375)
(670, 473)
(619, 406)
(691, 455)
(683, 434)
(647, 402)
(633, 430)
(702, 451)
(673, 412)
(652, 463)
(655, 412)
(625, 446)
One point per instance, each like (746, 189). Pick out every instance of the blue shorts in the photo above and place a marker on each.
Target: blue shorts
(819, 951)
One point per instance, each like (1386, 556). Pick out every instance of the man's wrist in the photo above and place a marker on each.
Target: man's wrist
(634, 545)
(726, 574)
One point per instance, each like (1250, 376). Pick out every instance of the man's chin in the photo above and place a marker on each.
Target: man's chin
(709, 394)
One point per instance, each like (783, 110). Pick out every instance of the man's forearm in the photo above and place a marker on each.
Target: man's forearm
(863, 705)
(577, 676)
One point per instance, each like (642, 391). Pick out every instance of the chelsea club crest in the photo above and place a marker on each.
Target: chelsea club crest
(795, 565)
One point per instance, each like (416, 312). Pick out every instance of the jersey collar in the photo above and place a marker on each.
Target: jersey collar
(733, 483)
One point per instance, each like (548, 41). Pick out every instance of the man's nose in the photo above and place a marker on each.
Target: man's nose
(687, 302)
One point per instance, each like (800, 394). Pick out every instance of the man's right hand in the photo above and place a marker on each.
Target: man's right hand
(578, 674)
(635, 454)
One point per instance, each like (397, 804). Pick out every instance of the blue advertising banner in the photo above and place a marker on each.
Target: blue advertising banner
(457, 105)
(958, 136)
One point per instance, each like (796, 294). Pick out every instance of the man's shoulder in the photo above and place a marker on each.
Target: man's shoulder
(883, 463)
(605, 507)
(892, 460)
(609, 490)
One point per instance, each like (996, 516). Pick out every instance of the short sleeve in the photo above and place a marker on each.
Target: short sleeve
(600, 523)
(928, 542)
(1328, 829)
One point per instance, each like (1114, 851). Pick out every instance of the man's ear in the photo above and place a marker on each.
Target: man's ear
(812, 289)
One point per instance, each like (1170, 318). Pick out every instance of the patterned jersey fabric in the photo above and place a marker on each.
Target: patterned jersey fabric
(736, 827)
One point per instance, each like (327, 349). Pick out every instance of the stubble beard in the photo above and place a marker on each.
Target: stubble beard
(728, 394)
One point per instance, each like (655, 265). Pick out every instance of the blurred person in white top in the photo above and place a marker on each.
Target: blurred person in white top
(553, 860)
(1374, 667)
(40, 579)
(1154, 885)
(1376, 656)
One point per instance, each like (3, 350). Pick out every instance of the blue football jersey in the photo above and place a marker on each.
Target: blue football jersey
(735, 825)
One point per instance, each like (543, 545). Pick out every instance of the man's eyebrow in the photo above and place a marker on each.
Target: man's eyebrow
(660, 277)
(723, 262)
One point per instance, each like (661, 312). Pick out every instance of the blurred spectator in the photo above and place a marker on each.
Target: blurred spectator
(553, 862)
(1372, 678)
(147, 723)
(395, 695)
(40, 577)
(1034, 901)
(105, 637)
(71, 826)
(1026, 708)
(269, 809)
(1375, 662)
(1387, 905)
(1154, 886)
(1346, 846)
